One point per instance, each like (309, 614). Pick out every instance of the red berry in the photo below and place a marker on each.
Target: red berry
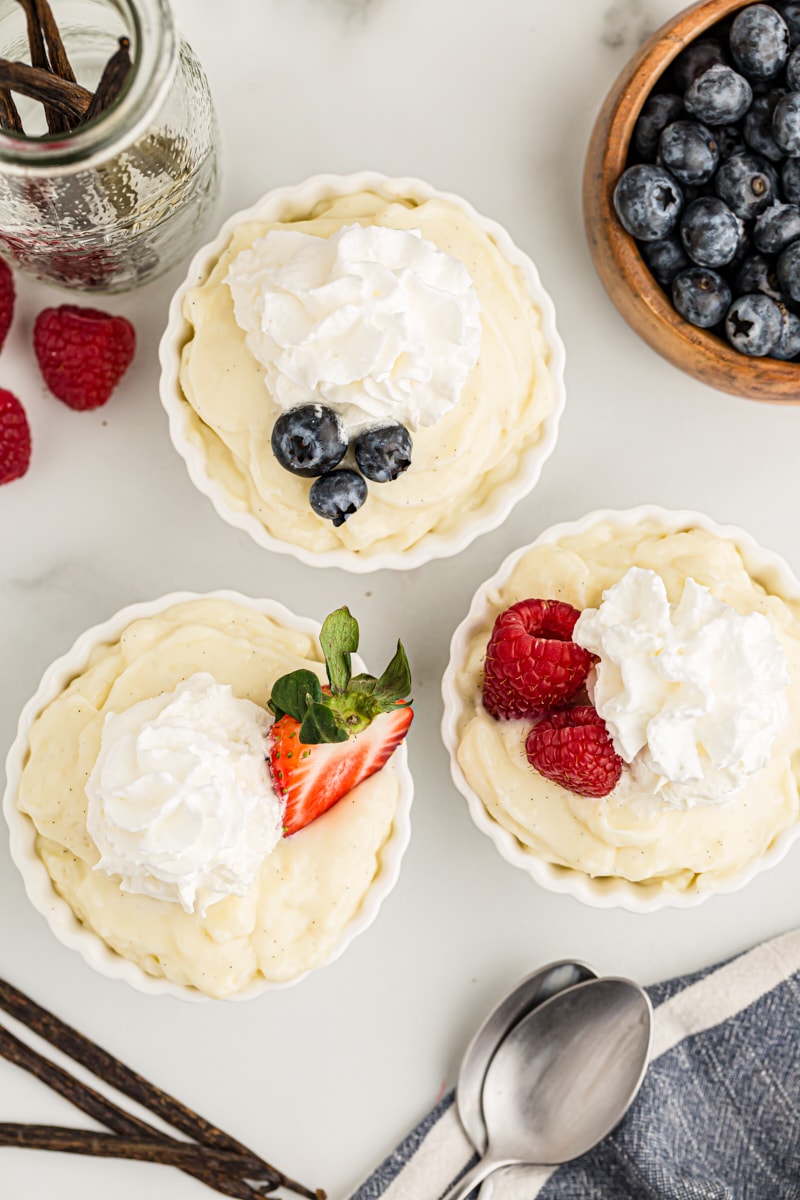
(531, 661)
(6, 299)
(15, 438)
(83, 353)
(311, 778)
(573, 748)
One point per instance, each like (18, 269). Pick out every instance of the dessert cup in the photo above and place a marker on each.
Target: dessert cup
(372, 877)
(475, 463)
(503, 745)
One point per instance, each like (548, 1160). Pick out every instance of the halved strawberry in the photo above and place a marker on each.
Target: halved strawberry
(311, 778)
(325, 741)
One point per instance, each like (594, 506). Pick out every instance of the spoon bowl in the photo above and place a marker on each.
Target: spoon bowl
(564, 1077)
(531, 991)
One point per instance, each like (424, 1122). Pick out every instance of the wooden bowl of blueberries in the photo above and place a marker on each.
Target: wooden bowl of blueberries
(692, 195)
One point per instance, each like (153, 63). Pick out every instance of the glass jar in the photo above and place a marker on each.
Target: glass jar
(114, 204)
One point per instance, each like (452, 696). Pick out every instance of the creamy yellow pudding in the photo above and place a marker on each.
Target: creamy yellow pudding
(659, 840)
(307, 889)
(470, 450)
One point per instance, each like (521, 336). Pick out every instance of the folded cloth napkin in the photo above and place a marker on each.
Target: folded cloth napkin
(718, 1116)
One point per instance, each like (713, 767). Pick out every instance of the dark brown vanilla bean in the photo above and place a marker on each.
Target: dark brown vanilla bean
(169, 1152)
(105, 1112)
(68, 98)
(9, 117)
(112, 80)
(57, 122)
(59, 62)
(114, 1072)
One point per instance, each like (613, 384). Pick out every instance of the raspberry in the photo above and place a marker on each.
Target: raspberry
(83, 353)
(573, 748)
(15, 438)
(6, 300)
(531, 663)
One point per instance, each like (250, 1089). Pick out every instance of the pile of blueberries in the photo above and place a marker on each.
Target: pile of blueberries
(712, 189)
(311, 441)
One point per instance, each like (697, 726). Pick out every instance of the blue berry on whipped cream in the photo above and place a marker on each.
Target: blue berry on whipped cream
(378, 326)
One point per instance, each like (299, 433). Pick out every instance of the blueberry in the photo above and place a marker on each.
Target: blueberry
(759, 41)
(786, 124)
(719, 96)
(790, 180)
(792, 74)
(337, 495)
(757, 125)
(665, 258)
(696, 58)
(730, 141)
(757, 274)
(776, 226)
(790, 11)
(788, 271)
(658, 111)
(383, 452)
(648, 202)
(747, 184)
(788, 344)
(688, 150)
(753, 324)
(710, 232)
(309, 440)
(702, 297)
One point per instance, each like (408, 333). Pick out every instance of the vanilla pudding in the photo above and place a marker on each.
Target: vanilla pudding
(668, 825)
(446, 338)
(206, 895)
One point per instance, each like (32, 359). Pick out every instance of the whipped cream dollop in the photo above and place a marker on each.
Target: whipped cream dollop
(181, 805)
(692, 695)
(378, 324)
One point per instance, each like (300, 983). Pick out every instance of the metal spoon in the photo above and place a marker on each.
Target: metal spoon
(531, 991)
(563, 1077)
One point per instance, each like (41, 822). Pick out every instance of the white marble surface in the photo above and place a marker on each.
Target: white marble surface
(496, 102)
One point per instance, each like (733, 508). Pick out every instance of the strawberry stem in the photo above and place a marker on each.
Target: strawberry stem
(339, 639)
(350, 703)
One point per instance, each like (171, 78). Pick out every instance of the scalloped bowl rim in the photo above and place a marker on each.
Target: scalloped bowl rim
(22, 832)
(602, 891)
(432, 545)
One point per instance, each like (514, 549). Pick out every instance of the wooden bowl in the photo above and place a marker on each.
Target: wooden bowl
(626, 278)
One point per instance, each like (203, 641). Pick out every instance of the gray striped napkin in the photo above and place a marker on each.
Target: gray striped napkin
(718, 1116)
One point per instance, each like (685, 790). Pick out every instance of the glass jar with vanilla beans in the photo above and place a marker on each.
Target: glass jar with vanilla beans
(108, 164)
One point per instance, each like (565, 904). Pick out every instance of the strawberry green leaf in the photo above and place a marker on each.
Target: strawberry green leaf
(293, 693)
(339, 639)
(320, 725)
(395, 682)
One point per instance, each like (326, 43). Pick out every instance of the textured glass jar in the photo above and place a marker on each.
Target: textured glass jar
(110, 206)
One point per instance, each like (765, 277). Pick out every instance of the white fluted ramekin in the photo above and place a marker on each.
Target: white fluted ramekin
(38, 884)
(294, 202)
(605, 891)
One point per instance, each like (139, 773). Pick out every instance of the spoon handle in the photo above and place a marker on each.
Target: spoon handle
(472, 1178)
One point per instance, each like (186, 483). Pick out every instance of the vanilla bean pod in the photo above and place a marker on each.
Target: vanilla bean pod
(57, 121)
(68, 98)
(112, 80)
(9, 117)
(105, 1111)
(169, 1152)
(114, 1072)
(59, 61)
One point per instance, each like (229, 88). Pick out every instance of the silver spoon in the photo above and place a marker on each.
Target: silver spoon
(563, 1077)
(531, 991)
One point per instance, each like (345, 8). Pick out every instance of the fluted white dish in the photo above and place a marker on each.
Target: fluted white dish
(291, 203)
(38, 884)
(602, 891)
